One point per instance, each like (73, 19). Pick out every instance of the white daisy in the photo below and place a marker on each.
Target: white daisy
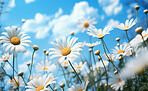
(4, 58)
(47, 66)
(86, 24)
(19, 82)
(92, 44)
(124, 50)
(79, 87)
(41, 83)
(128, 24)
(118, 82)
(99, 33)
(66, 50)
(65, 63)
(15, 40)
(138, 40)
(79, 66)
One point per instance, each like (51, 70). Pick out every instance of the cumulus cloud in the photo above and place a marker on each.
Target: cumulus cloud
(59, 25)
(29, 1)
(11, 4)
(111, 7)
(112, 23)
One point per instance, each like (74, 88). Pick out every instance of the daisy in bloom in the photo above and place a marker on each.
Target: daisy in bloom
(79, 66)
(86, 24)
(66, 50)
(124, 50)
(128, 24)
(118, 82)
(65, 63)
(109, 57)
(4, 58)
(15, 40)
(19, 82)
(79, 87)
(41, 83)
(92, 44)
(45, 66)
(138, 39)
(99, 33)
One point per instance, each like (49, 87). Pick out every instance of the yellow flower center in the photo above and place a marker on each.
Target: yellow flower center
(39, 88)
(80, 90)
(16, 84)
(45, 68)
(86, 24)
(144, 36)
(15, 41)
(79, 67)
(100, 36)
(120, 80)
(5, 57)
(11, 80)
(66, 51)
(126, 27)
(120, 51)
(65, 62)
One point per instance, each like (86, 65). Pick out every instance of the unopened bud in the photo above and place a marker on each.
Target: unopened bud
(89, 50)
(62, 85)
(72, 33)
(20, 73)
(118, 39)
(116, 72)
(137, 7)
(97, 52)
(44, 50)
(35, 47)
(139, 30)
(145, 11)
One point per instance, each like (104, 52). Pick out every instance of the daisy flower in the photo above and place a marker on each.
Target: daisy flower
(45, 66)
(124, 50)
(86, 24)
(138, 39)
(41, 83)
(66, 50)
(79, 87)
(99, 33)
(15, 40)
(4, 58)
(128, 24)
(15, 84)
(118, 82)
(65, 63)
(79, 66)
(92, 44)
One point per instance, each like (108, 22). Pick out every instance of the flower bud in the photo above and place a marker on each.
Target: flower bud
(89, 50)
(139, 30)
(118, 39)
(72, 33)
(44, 50)
(47, 53)
(137, 7)
(23, 20)
(55, 89)
(20, 73)
(116, 72)
(97, 52)
(145, 11)
(35, 47)
(120, 58)
(28, 64)
(62, 85)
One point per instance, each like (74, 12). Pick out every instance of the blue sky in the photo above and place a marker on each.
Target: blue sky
(47, 20)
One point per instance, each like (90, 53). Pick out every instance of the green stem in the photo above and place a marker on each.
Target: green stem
(51, 88)
(63, 88)
(137, 19)
(105, 45)
(93, 56)
(13, 64)
(146, 20)
(31, 64)
(75, 71)
(127, 36)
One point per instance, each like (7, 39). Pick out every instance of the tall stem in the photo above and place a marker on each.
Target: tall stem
(75, 71)
(51, 88)
(13, 64)
(93, 56)
(31, 64)
(105, 45)
(137, 19)
(127, 36)
(146, 20)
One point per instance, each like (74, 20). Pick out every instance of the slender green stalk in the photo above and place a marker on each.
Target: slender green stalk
(44, 61)
(146, 21)
(105, 72)
(137, 19)
(105, 45)
(75, 71)
(127, 36)
(51, 87)
(13, 64)
(31, 64)
(90, 58)
(63, 89)
(93, 56)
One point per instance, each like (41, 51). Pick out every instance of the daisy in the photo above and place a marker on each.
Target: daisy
(99, 33)
(4, 58)
(65, 63)
(66, 50)
(15, 83)
(124, 50)
(45, 66)
(86, 24)
(138, 40)
(118, 82)
(91, 44)
(79, 66)
(15, 40)
(41, 83)
(128, 24)
(79, 87)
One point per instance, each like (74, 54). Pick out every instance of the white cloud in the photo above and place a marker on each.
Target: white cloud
(112, 23)
(29, 1)
(60, 25)
(11, 3)
(111, 6)
(23, 67)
